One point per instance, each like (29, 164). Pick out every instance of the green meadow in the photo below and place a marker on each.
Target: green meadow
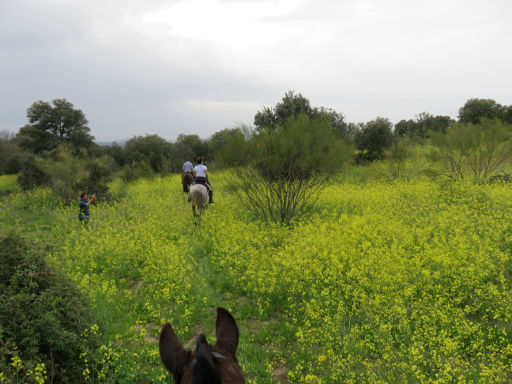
(380, 280)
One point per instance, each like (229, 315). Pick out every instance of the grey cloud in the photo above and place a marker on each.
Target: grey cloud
(390, 58)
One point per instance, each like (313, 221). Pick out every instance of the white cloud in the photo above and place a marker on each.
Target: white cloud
(231, 24)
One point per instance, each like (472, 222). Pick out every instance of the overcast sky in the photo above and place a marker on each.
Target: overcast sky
(199, 66)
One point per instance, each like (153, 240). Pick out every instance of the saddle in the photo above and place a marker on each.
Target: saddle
(203, 182)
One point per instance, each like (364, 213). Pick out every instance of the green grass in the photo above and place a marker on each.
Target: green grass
(9, 184)
(385, 280)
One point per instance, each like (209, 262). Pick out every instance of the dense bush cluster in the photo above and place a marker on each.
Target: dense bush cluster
(42, 317)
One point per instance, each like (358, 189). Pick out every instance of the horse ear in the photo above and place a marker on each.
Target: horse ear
(173, 355)
(226, 331)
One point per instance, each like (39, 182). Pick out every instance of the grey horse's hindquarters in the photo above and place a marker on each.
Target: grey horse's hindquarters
(199, 196)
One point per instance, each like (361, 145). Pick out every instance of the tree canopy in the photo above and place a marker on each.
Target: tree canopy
(373, 138)
(52, 124)
(152, 149)
(303, 147)
(192, 146)
(477, 109)
(422, 126)
(293, 105)
(231, 147)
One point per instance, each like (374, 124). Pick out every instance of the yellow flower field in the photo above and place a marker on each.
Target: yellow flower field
(382, 282)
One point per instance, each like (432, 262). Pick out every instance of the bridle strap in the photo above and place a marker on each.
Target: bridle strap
(218, 355)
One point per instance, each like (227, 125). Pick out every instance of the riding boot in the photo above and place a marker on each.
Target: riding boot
(210, 195)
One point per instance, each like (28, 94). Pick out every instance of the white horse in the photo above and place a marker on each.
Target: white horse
(199, 198)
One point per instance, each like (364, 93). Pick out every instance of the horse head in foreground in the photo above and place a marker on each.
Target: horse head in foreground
(199, 198)
(207, 364)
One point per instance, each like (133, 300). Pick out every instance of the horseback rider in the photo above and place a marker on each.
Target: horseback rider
(187, 168)
(201, 177)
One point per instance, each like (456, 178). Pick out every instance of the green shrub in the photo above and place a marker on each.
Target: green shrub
(291, 165)
(70, 175)
(31, 174)
(232, 147)
(151, 149)
(474, 152)
(42, 317)
(10, 154)
(372, 139)
(136, 170)
(67, 174)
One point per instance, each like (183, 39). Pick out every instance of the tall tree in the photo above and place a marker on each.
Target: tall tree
(405, 128)
(423, 126)
(198, 147)
(338, 123)
(49, 125)
(428, 123)
(293, 105)
(507, 115)
(477, 109)
(373, 138)
(231, 147)
(10, 153)
(151, 149)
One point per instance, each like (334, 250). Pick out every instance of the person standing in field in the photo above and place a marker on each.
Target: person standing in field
(187, 168)
(201, 177)
(84, 216)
